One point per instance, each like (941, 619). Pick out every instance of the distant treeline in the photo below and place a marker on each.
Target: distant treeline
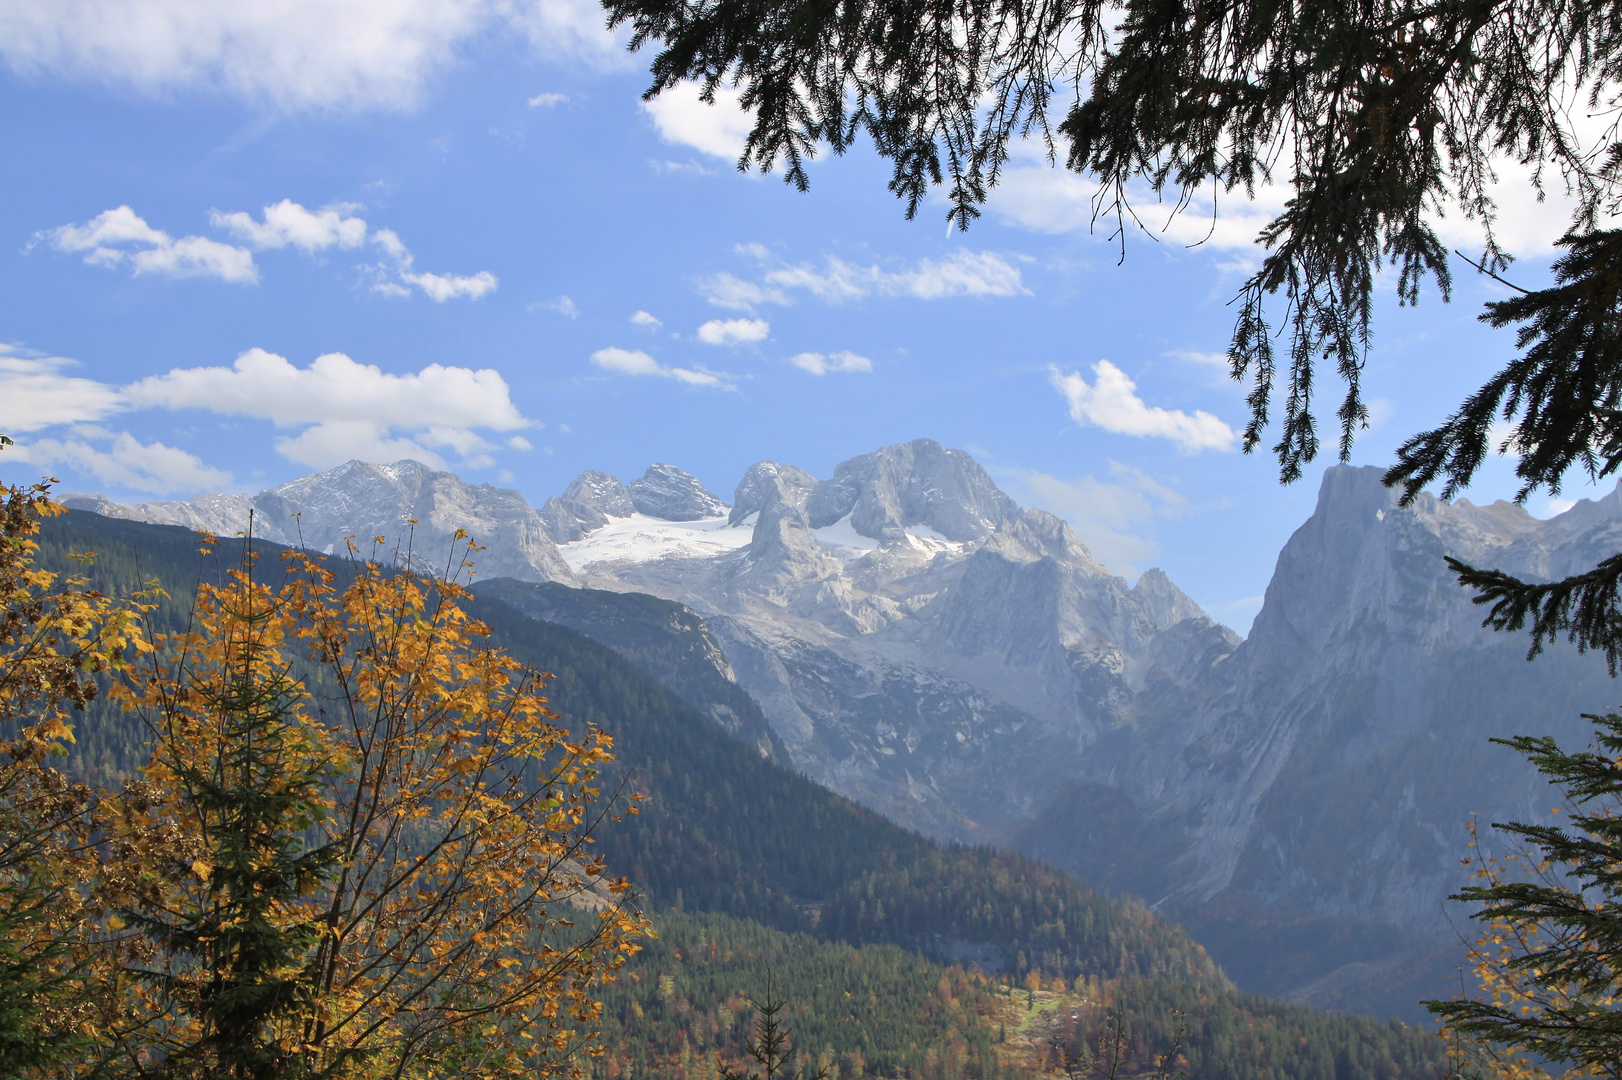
(875, 1010)
(1226, 1035)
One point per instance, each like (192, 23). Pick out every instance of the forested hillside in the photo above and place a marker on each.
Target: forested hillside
(898, 954)
(721, 829)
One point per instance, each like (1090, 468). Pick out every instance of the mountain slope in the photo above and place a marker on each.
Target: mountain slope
(1323, 775)
(722, 828)
(416, 508)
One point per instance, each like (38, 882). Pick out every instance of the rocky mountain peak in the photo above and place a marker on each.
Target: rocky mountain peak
(666, 492)
(920, 483)
(767, 482)
(601, 491)
(362, 500)
(585, 506)
(1163, 603)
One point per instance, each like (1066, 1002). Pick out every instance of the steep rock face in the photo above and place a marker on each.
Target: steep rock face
(323, 510)
(767, 482)
(585, 505)
(666, 492)
(920, 483)
(1326, 770)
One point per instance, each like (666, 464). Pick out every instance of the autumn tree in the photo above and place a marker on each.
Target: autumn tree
(362, 843)
(57, 638)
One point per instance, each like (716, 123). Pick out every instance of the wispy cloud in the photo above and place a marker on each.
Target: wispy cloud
(290, 55)
(563, 305)
(121, 460)
(963, 273)
(1111, 402)
(823, 363)
(635, 362)
(734, 331)
(547, 101)
(36, 393)
(981, 274)
(642, 320)
(120, 237)
(726, 290)
(1114, 517)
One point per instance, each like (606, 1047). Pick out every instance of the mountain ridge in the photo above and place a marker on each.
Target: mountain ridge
(912, 639)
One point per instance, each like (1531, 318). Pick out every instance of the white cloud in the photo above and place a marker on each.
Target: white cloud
(1037, 195)
(353, 410)
(570, 30)
(637, 362)
(35, 393)
(108, 238)
(437, 287)
(198, 256)
(733, 331)
(547, 101)
(563, 305)
(719, 130)
(288, 223)
(442, 287)
(335, 388)
(1113, 517)
(963, 273)
(821, 364)
(117, 226)
(346, 410)
(644, 321)
(1112, 403)
(337, 441)
(115, 235)
(288, 54)
(126, 463)
(392, 245)
(727, 291)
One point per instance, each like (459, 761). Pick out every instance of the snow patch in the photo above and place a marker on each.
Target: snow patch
(842, 534)
(640, 538)
(842, 539)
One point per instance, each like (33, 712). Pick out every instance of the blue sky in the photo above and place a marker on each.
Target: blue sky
(242, 243)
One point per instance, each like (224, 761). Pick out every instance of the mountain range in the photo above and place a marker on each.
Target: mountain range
(904, 634)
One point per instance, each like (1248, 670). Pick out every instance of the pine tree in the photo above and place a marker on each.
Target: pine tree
(1550, 956)
(239, 758)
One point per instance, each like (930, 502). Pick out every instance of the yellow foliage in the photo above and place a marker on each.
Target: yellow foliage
(57, 637)
(458, 809)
